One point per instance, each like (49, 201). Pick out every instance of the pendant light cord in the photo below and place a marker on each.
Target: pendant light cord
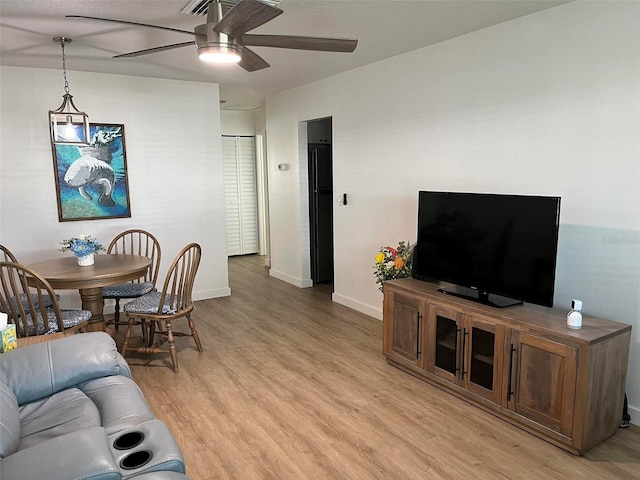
(64, 65)
(69, 126)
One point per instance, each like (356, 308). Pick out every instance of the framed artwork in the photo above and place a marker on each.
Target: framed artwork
(91, 181)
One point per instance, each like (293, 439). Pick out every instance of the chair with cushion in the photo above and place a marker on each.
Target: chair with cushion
(29, 301)
(133, 242)
(156, 311)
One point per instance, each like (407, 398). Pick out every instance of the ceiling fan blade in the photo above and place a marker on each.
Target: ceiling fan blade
(154, 50)
(300, 43)
(131, 23)
(244, 16)
(251, 61)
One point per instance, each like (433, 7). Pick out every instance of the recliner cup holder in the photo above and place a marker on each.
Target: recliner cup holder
(148, 446)
(136, 460)
(128, 441)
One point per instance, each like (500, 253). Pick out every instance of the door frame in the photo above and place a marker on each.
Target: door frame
(262, 175)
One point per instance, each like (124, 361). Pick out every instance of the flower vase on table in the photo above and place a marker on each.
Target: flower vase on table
(83, 247)
(86, 260)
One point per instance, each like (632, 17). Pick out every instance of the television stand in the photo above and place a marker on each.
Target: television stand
(521, 364)
(479, 296)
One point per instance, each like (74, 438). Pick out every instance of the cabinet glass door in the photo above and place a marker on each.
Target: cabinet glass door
(483, 358)
(446, 344)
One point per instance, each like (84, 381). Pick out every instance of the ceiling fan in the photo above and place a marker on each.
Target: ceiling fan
(224, 38)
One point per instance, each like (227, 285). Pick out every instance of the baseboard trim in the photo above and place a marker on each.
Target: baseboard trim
(285, 277)
(356, 305)
(216, 293)
(203, 295)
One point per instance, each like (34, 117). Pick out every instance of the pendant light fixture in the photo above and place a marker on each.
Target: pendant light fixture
(69, 126)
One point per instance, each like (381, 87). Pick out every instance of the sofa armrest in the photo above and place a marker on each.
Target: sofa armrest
(119, 401)
(123, 367)
(81, 455)
(42, 369)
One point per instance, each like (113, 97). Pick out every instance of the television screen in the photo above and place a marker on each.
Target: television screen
(493, 246)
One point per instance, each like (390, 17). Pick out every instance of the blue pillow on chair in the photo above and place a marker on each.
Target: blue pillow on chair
(149, 304)
(70, 318)
(127, 290)
(48, 302)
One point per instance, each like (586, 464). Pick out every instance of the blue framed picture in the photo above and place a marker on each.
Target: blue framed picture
(91, 180)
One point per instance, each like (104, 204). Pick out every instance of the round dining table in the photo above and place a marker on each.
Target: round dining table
(64, 273)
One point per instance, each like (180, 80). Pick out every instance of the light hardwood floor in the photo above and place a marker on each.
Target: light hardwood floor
(293, 386)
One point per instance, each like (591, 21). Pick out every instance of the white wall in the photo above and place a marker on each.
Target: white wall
(548, 104)
(172, 134)
(234, 122)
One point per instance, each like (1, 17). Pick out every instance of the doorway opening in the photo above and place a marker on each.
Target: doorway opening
(320, 169)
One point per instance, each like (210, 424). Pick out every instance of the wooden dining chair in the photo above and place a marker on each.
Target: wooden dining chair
(8, 256)
(23, 294)
(133, 242)
(156, 311)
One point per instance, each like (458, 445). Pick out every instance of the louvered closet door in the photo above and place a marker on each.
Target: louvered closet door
(239, 165)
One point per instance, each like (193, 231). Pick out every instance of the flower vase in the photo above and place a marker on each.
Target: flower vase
(86, 260)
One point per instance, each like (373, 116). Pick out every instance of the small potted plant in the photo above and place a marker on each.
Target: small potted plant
(83, 247)
(392, 263)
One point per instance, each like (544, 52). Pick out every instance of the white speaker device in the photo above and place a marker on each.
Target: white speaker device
(574, 317)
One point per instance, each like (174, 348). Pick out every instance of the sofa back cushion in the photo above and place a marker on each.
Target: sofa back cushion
(9, 421)
(40, 370)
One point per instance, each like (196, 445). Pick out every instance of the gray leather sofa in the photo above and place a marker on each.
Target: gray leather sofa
(69, 410)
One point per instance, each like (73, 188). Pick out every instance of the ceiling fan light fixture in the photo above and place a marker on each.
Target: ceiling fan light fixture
(224, 38)
(69, 126)
(219, 52)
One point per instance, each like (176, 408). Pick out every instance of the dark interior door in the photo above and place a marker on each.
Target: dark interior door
(321, 212)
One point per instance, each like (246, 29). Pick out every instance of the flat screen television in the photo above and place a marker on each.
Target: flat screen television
(499, 250)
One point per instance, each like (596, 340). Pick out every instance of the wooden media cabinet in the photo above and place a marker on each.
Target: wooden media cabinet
(521, 363)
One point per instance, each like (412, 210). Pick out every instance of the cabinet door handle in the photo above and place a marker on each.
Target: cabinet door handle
(464, 344)
(455, 350)
(510, 383)
(418, 352)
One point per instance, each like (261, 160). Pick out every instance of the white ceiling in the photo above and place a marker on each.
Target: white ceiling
(384, 28)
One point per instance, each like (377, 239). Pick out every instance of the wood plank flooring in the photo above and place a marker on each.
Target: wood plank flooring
(293, 386)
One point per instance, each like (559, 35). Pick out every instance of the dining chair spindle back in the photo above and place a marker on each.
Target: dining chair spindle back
(133, 242)
(31, 304)
(156, 311)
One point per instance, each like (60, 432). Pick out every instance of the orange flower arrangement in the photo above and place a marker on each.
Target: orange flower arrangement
(392, 263)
